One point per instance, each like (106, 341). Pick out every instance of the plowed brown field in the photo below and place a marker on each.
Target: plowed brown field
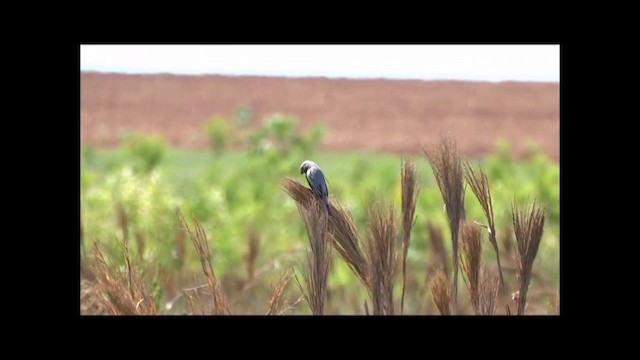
(378, 115)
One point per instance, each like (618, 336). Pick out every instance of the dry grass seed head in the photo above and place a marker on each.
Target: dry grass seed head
(120, 293)
(441, 293)
(410, 190)
(488, 294)
(199, 238)
(479, 184)
(470, 260)
(380, 249)
(528, 225)
(446, 164)
(276, 304)
(341, 228)
(316, 272)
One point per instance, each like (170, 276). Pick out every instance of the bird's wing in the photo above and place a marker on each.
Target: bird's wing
(306, 176)
(316, 180)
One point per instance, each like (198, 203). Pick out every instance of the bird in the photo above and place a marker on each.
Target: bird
(316, 181)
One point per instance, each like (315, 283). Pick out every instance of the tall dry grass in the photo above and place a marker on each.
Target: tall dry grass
(470, 259)
(276, 304)
(375, 270)
(441, 293)
(446, 165)
(483, 287)
(380, 250)
(124, 291)
(199, 238)
(316, 273)
(410, 191)
(341, 228)
(479, 184)
(120, 292)
(488, 293)
(528, 225)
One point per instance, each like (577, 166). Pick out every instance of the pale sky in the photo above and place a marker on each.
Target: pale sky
(425, 62)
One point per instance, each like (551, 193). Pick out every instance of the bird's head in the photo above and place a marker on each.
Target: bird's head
(306, 165)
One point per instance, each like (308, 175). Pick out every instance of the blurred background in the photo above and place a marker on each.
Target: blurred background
(212, 130)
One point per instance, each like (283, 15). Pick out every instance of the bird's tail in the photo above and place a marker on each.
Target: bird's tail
(326, 204)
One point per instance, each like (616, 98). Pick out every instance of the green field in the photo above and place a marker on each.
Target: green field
(238, 195)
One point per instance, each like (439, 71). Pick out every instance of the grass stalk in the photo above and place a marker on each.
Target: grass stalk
(199, 238)
(410, 191)
(380, 249)
(470, 259)
(120, 292)
(528, 225)
(488, 294)
(341, 228)
(276, 305)
(318, 255)
(441, 293)
(446, 165)
(479, 184)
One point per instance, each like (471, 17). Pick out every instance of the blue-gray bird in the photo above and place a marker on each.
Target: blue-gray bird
(316, 181)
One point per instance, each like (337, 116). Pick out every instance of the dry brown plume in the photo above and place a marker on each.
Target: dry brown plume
(410, 191)
(441, 293)
(120, 292)
(341, 228)
(380, 249)
(318, 255)
(470, 258)
(447, 168)
(276, 304)
(488, 294)
(479, 184)
(199, 238)
(528, 225)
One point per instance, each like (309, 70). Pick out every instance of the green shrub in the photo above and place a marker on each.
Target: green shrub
(220, 133)
(146, 152)
(281, 139)
(149, 203)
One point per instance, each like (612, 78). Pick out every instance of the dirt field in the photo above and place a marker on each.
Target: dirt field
(380, 115)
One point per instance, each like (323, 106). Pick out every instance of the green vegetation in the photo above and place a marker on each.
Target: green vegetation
(136, 192)
(220, 134)
(144, 152)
